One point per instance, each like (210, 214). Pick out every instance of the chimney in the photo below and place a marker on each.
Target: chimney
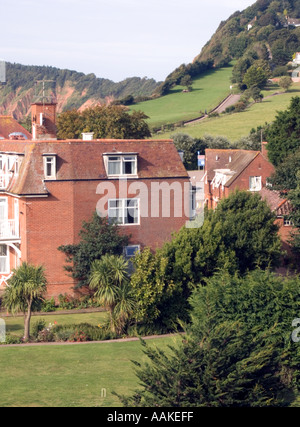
(264, 149)
(43, 117)
(87, 136)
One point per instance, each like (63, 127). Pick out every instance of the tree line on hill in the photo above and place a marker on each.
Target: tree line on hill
(73, 89)
(269, 39)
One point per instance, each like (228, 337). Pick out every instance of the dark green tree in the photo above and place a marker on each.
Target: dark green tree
(187, 82)
(238, 236)
(285, 82)
(285, 177)
(111, 121)
(97, 238)
(234, 354)
(255, 76)
(283, 135)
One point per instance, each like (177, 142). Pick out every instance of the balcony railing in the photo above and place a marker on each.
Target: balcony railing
(9, 229)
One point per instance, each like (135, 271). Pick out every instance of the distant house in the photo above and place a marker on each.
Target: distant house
(282, 208)
(48, 187)
(11, 129)
(251, 23)
(293, 22)
(296, 60)
(229, 170)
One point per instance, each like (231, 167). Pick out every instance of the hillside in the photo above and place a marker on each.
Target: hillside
(207, 92)
(70, 88)
(239, 124)
(268, 30)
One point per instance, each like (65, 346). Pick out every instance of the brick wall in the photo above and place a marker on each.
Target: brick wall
(56, 220)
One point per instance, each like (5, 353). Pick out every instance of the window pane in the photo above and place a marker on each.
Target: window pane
(3, 263)
(129, 165)
(3, 258)
(131, 211)
(115, 203)
(50, 167)
(114, 165)
(255, 183)
(115, 211)
(131, 250)
(3, 250)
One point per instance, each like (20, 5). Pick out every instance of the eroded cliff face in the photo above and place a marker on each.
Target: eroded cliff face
(18, 103)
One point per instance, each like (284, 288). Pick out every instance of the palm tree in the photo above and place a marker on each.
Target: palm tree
(125, 307)
(26, 286)
(109, 279)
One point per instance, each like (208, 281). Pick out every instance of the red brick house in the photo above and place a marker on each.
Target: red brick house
(282, 208)
(49, 187)
(228, 170)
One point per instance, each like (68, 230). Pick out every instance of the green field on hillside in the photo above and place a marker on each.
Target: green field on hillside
(208, 91)
(235, 126)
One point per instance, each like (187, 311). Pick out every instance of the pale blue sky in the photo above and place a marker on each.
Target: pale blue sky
(113, 39)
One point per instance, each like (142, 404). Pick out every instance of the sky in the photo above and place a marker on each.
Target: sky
(113, 39)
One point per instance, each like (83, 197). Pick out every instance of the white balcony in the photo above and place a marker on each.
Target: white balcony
(9, 229)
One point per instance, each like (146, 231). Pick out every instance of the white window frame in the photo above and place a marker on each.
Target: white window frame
(52, 162)
(287, 222)
(258, 183)
(123, 207)
(5, 202)
(122, 159)
(7, 261)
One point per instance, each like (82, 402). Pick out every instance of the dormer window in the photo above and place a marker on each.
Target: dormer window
(49, 166)
(121, 164)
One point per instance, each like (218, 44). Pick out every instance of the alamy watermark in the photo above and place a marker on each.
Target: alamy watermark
(296, 332)
(128, 201)
(2, 331)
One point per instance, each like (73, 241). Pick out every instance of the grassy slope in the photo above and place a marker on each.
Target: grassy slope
(207, 92)
(71, 375)
(234, 126)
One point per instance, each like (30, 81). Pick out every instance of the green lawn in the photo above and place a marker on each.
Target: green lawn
(234, 126)
(208, 91)
(74, 375)
(15, 325)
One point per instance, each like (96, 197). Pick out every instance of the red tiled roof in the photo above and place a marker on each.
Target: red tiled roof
(276, 203)
(83, 160)
(8, 126)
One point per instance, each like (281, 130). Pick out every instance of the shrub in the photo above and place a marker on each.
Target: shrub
(240, 106)
(37, 327)
(11, 339)
(48, 305)
(81, 332)
(46, 334)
